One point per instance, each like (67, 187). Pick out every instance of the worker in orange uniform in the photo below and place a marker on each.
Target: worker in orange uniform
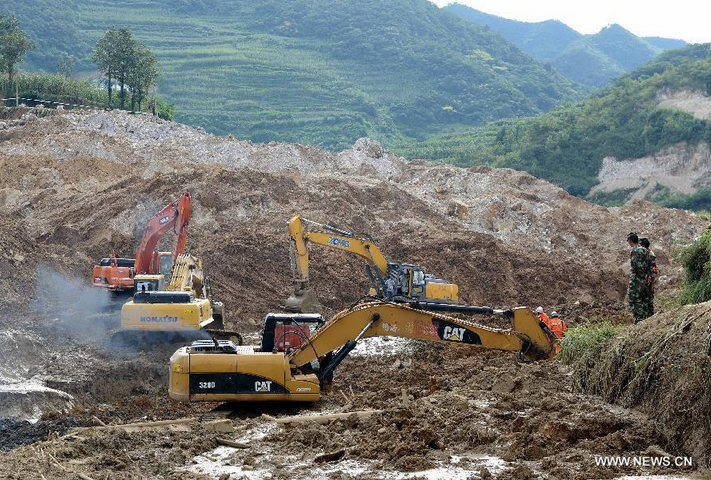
(552, 336)
(543, 317)
(557, 325)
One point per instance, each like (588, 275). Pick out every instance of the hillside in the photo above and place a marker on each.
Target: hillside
(323, 72)
(592, 60)
(661, 106)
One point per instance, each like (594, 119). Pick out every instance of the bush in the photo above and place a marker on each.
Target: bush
(696, 260)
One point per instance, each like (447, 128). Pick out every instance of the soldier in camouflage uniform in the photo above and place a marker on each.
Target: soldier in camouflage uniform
(638, 295)
(653, 272)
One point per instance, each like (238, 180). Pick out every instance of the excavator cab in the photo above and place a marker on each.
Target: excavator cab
(148, 283)
(285, 332)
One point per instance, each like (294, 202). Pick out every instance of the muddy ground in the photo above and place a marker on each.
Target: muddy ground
(73, 186)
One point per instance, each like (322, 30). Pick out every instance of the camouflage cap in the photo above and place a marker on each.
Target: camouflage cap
(633, 236)
(644, 241)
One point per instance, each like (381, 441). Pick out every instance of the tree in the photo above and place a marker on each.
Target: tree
(125, 59)
(104, 57)
(13, 44)
(142, 75)
(65, 67)
(115, 55)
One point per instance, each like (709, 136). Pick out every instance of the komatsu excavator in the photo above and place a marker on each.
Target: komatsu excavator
(400, 282)
(182, 309)
(118, 274)
(214, 370)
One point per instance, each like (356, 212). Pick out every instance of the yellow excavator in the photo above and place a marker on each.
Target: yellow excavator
(214, 370)
(183, 307)
(399, 282)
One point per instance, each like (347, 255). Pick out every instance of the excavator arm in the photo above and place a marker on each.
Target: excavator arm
(328, 236)
(375, 319)
(175, 216)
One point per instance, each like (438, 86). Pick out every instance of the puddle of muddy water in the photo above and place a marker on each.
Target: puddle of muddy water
(28, 400)
(222, 460)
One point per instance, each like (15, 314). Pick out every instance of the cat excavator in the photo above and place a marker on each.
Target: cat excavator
(401, 282)
(119, 274)
(218, 370)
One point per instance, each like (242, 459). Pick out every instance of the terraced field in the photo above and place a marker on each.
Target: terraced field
(323, 72)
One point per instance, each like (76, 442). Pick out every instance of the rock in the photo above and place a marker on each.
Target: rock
(458, 209)
(372, 148)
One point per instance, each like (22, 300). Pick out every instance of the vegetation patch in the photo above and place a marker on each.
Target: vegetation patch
(696, 260)
(566, 146)
(613, 198)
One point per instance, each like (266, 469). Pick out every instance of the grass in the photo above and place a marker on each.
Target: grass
(584, 343)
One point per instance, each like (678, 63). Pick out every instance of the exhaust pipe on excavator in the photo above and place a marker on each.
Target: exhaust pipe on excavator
(303, 301)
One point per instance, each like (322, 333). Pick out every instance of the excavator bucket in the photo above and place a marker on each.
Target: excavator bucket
(303, 301)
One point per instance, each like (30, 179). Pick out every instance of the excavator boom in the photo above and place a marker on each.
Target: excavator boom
(118, 274)
(400, 320)
(175, 216)
(404, 282)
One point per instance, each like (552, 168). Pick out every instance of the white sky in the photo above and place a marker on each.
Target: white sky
(688, 20)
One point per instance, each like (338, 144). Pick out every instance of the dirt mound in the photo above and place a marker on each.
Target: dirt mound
(78, 184)
(661, 366)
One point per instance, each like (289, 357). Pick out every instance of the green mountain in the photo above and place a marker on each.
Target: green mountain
(592, 60)
(567, 145)
(323, 72)
(542, 40)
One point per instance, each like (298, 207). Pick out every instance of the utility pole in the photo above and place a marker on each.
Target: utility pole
(17, 92)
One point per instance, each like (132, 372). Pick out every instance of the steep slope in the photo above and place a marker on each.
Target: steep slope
(662, 105)
(585, 64)
(324, 72)
(592, 60)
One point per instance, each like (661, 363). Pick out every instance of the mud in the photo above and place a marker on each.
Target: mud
(74, 186)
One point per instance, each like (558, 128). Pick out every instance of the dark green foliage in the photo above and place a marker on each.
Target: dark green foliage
(592, 60)
(543, 40)
(567, 145)
(615, 198)
(323, 71)
(58, 88)
(585, 64)
(53, 26)
(696, 260)
(699, 201)
(13, 45)
(623, 47)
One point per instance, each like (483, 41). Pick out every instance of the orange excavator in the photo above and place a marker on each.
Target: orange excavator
(117, 274)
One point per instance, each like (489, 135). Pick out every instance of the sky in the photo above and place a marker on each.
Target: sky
(688, 20)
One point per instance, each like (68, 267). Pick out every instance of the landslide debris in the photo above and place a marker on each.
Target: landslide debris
(75, 185)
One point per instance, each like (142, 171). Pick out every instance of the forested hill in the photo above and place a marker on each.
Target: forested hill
(323, 72)
(592, 60)
(627, 120)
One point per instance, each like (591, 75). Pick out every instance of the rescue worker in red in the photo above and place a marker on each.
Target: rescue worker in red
(557, 325)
